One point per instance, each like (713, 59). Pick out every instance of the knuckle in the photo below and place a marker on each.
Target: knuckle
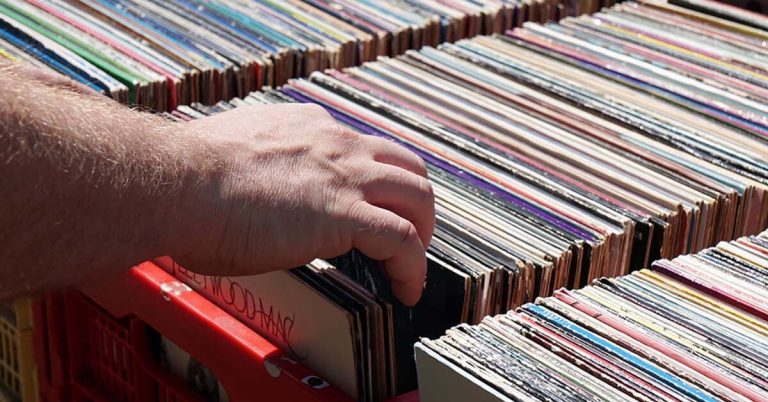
(420, 164)
(406, 231)
(370, 174)
(345, 133)
(331, 154)
(378, 179)
(340, 137)
(368, 151)
(313, 108)
(383, 146)
(326, 126)
(378, 142)
(426, 190)
(357, 210)
(399, 176)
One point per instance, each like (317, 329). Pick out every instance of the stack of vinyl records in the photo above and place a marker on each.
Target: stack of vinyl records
(161, 54)
(559, 154)
(693, 328)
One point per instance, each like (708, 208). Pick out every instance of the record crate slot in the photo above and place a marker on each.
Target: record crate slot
(108, 354)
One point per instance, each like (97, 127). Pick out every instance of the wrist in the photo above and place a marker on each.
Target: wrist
(193, 210)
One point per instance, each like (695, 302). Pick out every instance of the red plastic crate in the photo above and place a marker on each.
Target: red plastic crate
(50, 349)
(110, 358)
(106, 356)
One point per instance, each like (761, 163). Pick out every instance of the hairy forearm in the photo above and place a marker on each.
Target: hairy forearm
(87, 186)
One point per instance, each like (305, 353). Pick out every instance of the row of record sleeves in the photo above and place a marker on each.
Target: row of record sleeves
(161, 54)
(559, 154)
(694, 328)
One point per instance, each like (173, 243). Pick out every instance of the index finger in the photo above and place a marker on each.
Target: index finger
(383, 235)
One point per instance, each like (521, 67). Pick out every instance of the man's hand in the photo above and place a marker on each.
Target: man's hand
(292, 185)
(88, 187)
